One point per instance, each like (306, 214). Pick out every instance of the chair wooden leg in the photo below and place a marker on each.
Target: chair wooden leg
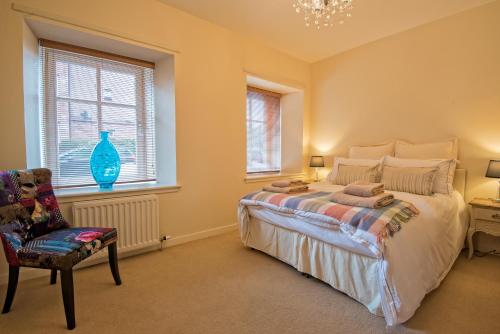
(113, 263)
(68, 297)
(53, 276)
(11, 288)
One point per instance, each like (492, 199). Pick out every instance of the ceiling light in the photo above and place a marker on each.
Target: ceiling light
(323, 12)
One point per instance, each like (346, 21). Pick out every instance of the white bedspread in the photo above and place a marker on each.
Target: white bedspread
(415, 259)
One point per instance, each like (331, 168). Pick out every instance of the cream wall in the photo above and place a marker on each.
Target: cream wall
(431, 82)
(435, 81)
(210, 99)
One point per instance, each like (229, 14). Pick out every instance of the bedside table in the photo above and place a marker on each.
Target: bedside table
(485, 218)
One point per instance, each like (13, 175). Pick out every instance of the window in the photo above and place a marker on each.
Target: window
(84, 92)
(263, 131)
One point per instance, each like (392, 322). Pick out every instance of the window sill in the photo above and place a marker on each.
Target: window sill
(271, 177)
(68, 195)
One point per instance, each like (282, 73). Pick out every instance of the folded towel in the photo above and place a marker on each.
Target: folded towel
(374, 202)
(288, 183)
(286, 190)
(364, 188)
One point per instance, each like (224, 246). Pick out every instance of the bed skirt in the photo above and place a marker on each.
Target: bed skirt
(354, 274)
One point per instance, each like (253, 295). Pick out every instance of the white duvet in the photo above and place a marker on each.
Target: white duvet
(415, 259)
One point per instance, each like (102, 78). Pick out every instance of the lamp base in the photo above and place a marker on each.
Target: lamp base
(316, 179)
(497, 200)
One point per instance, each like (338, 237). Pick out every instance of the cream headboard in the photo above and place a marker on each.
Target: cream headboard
(460, 180)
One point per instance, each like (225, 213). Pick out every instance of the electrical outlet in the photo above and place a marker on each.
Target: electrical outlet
(163, 238)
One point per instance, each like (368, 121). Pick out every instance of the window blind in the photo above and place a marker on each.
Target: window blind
(82, 95)
(263, 131)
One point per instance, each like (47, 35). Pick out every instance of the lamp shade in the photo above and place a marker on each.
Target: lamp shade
(493, 169)
(317, 161)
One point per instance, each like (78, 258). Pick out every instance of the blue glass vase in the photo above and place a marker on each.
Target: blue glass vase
(105, 162)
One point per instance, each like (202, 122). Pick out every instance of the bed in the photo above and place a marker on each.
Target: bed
(391, 284)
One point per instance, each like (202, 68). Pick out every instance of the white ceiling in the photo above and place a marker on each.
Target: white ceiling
(275, 22)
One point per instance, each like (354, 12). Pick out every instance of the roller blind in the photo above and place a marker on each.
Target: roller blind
(84, 94)
(263, 131)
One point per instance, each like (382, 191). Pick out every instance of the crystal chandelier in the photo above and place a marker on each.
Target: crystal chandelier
(322, 12)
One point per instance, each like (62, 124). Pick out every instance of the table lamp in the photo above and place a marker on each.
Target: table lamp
(494, 172)
(317, 161)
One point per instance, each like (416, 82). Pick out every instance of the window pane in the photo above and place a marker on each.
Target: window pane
(257, 111)
(256, 149)
(121, 122)
(74, 159)
(118, 87)
(62, 79)
(82, 82)
(263, 132)
(119, 115)
(83, 121)
(77, 135)
(63, 119)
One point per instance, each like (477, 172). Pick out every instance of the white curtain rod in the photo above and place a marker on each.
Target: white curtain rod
(56, 18)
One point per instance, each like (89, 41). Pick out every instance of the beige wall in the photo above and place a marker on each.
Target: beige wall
(210, 99)
(432, 82)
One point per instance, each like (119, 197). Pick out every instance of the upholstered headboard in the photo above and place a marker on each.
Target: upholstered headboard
(460, 180)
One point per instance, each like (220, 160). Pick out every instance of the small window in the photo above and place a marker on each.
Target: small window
(263, 131)
(83, 93)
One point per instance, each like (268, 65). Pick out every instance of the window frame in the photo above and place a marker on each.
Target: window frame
(273, 95)
(49, 101)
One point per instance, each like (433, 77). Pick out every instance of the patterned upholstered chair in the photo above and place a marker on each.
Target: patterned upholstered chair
(35, 234)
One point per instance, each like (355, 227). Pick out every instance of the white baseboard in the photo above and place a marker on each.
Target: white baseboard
(102, 256)
(31, 273)
(201, 235)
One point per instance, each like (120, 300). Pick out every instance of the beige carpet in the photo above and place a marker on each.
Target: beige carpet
(218, 286)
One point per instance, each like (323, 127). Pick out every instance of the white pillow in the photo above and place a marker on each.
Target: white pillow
(414, 180)
(443, 182)
(347, 174)
(447, 149)
(371, 152)
(351, 162)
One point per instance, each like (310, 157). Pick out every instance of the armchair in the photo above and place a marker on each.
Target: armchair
(35, 234)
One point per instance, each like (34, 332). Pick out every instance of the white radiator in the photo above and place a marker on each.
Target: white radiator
(135, 217)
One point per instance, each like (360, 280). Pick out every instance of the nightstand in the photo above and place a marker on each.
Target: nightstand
(485, 218)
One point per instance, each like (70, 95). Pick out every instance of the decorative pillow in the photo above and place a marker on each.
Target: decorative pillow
(371, 152)
(447, 149)
(415, 180)
(348, 174)
(352, 162)
(443, 182)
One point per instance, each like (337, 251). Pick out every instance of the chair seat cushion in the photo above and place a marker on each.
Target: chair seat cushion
(64, 248)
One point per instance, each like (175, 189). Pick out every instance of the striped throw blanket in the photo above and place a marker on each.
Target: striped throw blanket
(365, 225)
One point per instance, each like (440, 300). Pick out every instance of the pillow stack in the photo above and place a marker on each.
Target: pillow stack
(422, 169)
